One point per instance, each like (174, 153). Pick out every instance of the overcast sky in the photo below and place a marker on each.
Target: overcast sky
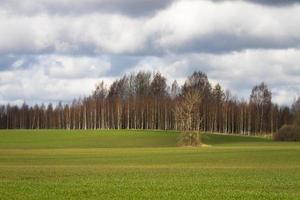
(53, 50)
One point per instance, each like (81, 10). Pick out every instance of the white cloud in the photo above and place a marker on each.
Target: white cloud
(94, 33)
(196, 21)
(237, 71)
(186, 25)
(52, 78)
(63, 54)
(73, 67)
(56, 78)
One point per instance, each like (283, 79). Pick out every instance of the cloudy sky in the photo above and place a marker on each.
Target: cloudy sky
(54, 50)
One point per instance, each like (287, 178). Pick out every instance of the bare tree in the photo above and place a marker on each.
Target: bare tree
(145, 101)
(187, 115)
(296, 112)
(261, 97)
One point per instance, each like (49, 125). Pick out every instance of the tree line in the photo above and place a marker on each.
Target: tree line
(145, 101)
(290, 132)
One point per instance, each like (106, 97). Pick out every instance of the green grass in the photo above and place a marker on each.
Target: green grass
(57, 164)
(36, 139)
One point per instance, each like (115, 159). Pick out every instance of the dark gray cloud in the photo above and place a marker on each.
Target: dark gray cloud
(16, 61)
(219, 43)
(275, 2)
(133, 7)
(75, 7)
(6, 61)
(122, 63)
(266, 2)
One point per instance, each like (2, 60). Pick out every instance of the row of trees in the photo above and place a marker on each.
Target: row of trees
(290, 132)
(145, 101)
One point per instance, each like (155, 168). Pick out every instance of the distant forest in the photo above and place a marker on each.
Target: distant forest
(145, 101)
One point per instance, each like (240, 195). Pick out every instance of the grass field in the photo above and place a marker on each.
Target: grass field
(144, 165)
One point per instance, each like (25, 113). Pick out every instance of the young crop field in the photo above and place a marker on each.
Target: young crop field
(133, 164)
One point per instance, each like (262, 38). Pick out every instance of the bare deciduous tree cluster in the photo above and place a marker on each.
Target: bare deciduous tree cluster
(145, 101)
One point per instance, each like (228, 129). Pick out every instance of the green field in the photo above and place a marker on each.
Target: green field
(144, 165)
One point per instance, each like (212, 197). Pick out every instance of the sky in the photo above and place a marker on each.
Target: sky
(52, 50)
